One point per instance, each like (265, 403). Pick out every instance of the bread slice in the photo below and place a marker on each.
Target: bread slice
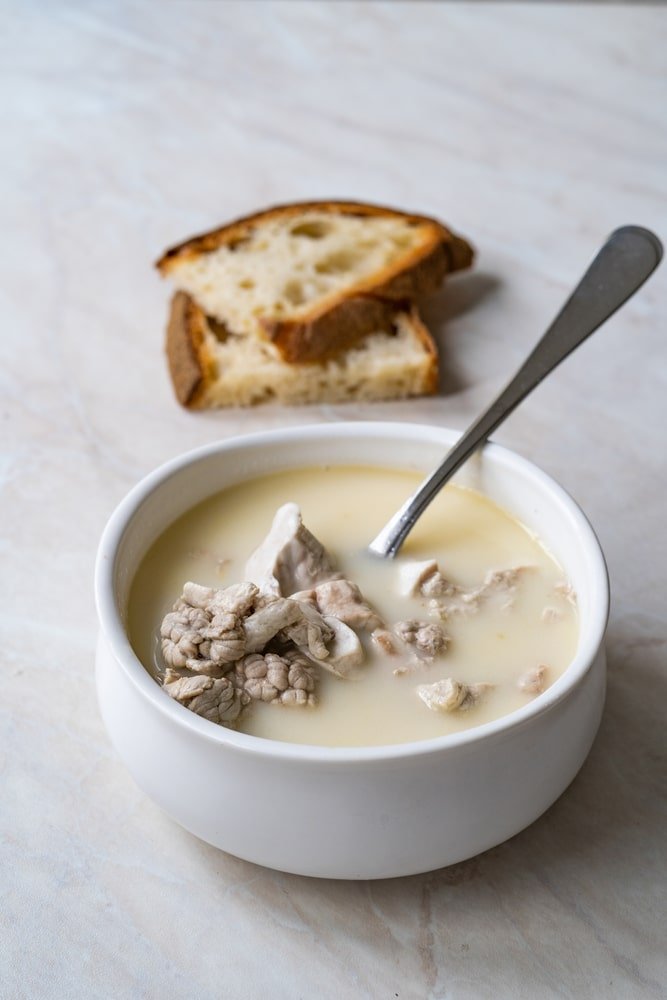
(314, 278)
(211, 366)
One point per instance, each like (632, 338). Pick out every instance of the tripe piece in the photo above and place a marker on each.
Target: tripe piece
(290, 558)
(286, 679)
(182, 634)
(217, 700)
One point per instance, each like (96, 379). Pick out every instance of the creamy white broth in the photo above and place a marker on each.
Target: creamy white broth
(345, 507)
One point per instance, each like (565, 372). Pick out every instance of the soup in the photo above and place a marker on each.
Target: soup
(471, 621)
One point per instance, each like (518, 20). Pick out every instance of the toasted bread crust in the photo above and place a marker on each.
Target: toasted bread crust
(193, 369)
(236, 230)
(324, 330)
(432, 377)
(186, 350)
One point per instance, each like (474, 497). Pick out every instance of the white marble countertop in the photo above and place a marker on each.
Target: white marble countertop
(533, 129)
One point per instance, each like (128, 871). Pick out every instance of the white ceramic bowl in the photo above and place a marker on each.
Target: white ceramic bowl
(369, 812)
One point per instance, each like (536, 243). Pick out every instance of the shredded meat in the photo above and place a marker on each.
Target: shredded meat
(419, 641)
(428, 638)
(424, 579)
(566, 590)
(450, 695)
(535, 680)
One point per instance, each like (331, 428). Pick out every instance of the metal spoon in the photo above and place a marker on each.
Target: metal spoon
(622, 266)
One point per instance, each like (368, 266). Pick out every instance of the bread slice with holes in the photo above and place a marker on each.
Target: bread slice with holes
(314, 278)
(212, 366)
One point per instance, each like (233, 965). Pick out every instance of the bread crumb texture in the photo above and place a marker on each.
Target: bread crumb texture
(387, 365)
(285, 265)
(307, 303)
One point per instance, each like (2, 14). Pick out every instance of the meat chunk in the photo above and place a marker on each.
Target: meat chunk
(449, 695)
(321, 637)
(412, 577)
(501, 582)
(310, 632)
(207, 639)
(266, 622)
(385, 641)
(218, 700)
(343, 600)
(424, 579)
(238, 599)
(420, 642)
(227, 637)
(535, 680)
(182, 634)
(251, 641)
(345, 649)
(290, 558)
(201, 637)
(287, 679)
(204, 630)
(428, 638)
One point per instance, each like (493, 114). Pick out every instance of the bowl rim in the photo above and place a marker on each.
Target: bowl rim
(113, 630)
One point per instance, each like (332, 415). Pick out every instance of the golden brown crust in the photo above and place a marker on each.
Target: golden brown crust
(432, 376)
(234, 231)
(323, 331)
(193, 369)
(186, 351)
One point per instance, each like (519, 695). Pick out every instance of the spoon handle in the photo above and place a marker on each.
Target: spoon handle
(623, 264)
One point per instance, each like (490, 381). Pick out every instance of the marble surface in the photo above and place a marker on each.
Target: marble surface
(535, 130)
